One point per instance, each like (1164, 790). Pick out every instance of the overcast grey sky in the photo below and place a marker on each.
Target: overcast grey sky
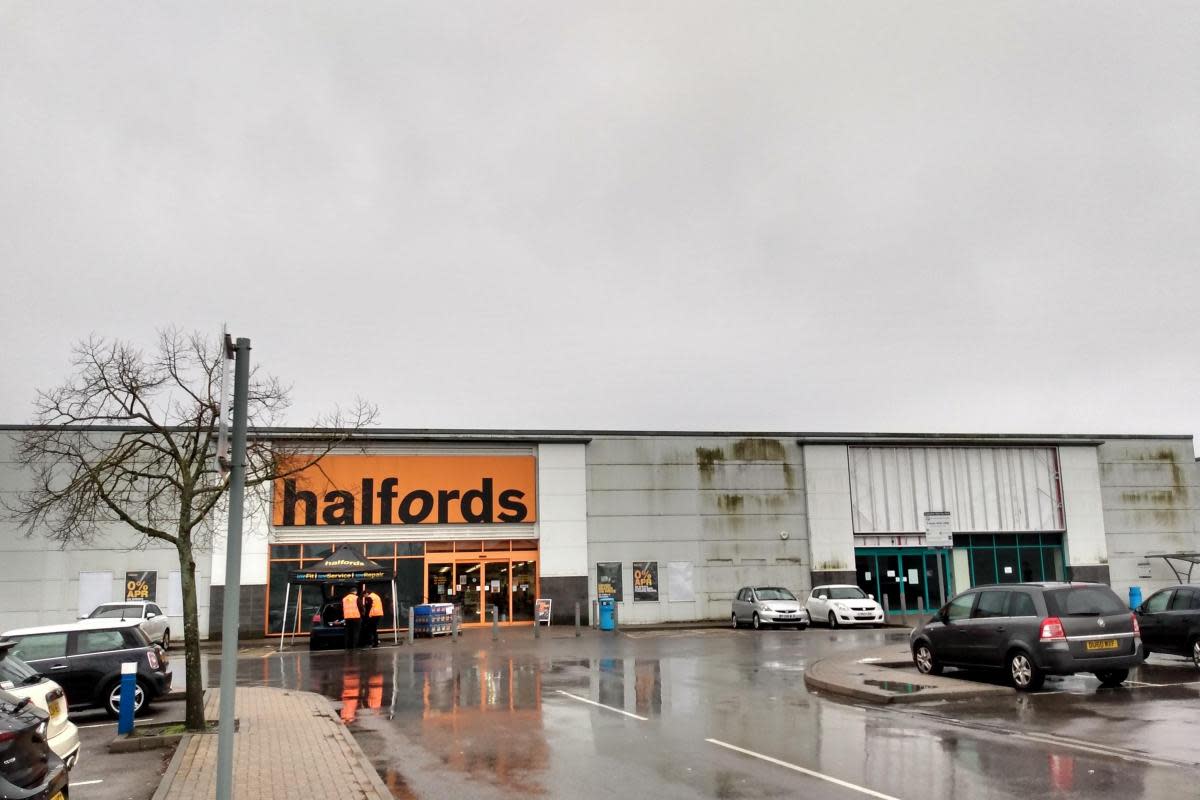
(682, 215)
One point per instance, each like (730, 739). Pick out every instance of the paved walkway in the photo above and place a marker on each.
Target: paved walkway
(289, 744)
(887, 675)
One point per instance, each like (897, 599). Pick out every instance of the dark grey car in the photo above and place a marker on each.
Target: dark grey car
(1170, 622)
(1032, 630)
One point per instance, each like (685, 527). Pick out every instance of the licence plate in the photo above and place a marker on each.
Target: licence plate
(1101, 644)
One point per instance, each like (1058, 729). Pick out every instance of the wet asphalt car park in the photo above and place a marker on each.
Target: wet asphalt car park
(724, 713)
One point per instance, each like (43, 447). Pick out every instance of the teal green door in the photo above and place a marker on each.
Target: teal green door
(904, 579)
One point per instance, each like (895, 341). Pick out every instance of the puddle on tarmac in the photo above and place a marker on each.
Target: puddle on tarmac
(899, 687)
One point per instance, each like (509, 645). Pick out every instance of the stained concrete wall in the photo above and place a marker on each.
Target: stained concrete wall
(718, 503)
(1150, 490)
(39, 580)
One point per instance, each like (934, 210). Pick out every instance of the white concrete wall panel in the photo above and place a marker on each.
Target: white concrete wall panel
(985, 488)
(1150, 490)
(39, 581)
(1085, 540)
(562, 510)
(718, 503)
(827, 495)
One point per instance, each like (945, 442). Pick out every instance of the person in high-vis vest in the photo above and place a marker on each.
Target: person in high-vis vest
(371, 624)
(353, 617)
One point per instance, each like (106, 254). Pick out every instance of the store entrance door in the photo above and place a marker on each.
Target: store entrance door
(468, 583)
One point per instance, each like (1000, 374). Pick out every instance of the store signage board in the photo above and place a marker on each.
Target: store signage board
(141, 585)
(939, 529)
(645, 581)
(542, 610)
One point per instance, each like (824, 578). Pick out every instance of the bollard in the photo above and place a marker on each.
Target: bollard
(595, 616)
(454, 624)
(578, 633)
(128, 689)
(412, 628)
(495, 623)
(886, 610)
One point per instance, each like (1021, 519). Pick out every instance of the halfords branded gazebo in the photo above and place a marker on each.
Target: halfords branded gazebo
(343, 567)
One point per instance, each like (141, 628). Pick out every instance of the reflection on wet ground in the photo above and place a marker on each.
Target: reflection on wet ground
(525, 718)
(895, 686)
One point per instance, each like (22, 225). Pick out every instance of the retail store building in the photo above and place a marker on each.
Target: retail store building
(672, 523)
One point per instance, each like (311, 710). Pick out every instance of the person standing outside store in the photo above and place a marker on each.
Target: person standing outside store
(371, 622)
(351, 605)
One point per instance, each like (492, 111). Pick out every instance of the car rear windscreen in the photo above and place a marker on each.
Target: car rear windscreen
(1083, 601)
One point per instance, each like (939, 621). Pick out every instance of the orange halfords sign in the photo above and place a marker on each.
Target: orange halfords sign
(409, 490)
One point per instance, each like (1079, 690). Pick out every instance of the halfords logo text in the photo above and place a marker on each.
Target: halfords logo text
(409, 490)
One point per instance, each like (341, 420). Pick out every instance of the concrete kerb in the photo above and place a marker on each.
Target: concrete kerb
(872, 677)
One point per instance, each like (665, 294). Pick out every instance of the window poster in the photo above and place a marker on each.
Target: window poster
(608, 580)
(645, 581)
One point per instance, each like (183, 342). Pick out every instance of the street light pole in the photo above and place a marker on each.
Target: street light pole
(233, 572)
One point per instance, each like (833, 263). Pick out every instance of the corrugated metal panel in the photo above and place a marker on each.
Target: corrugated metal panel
(985, 488)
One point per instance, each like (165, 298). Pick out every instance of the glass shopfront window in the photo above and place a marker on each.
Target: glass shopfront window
(475, 575)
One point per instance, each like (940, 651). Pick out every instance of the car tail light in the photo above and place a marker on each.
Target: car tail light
(1137, 628)
(1052, 630)
(316, 620)
(7, 736)
(152, 659)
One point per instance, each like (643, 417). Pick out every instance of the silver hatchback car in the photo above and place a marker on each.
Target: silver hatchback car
(768, 605)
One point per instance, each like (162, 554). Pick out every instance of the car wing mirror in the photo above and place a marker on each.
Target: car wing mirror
(823, 597)
(150, 615)
(871, 597)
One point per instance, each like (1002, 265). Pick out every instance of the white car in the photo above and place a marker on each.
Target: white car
(843, 604)
(153, 622)
(19, 679)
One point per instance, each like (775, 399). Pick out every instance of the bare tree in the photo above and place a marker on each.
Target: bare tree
(131, 438)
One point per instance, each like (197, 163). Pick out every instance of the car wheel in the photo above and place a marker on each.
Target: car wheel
(1025, 675)
(927, 663)
(754, 623)
(166, 640)
(1112, 677)
(833, 623)
(735, 622)
(112, 702)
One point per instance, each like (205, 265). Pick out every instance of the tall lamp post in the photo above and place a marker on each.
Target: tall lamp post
(240, 354)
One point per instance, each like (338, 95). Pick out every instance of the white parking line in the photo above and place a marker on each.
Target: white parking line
(811, 773)
(601, 705)
(87, 783)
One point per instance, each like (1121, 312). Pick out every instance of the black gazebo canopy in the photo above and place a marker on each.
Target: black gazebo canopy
(342, 567)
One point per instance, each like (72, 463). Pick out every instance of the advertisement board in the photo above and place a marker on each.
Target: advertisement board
(645, 581)
(141, 585)
(608, 580)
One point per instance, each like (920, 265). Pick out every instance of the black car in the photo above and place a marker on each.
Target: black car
(29, 770)
(1032, 630)
(85, 658)
(1171, 622)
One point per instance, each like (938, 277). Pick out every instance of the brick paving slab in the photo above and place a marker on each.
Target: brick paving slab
(289, 744)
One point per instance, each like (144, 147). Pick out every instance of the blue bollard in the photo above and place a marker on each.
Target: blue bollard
(1135, 596)
(128, 687)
